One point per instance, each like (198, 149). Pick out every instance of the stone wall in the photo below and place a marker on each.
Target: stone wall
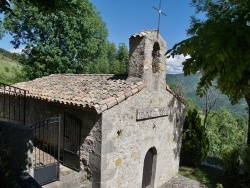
(90, 149)
(16, 141)
(127, 140)
(147, 60)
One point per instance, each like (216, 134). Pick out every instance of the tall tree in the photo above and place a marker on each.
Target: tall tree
(195, 143)
(219, 47)
(123, 57)
(111, 57)
(57, 42)
(44, 6)
(210, 99)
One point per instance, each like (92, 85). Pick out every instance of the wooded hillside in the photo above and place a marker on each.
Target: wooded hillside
(190, 84)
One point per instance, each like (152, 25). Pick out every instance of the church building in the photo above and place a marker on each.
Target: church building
(120, 131)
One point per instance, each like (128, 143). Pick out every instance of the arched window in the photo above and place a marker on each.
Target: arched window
(149, 168)
(156, 57)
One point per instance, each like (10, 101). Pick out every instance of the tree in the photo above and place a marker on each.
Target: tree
(225, 132)
(219, 47)
(210, 98)
(195, 143)
(44, 6)
(111, 57)
(191, 105)
(57, 42)
(123, 57)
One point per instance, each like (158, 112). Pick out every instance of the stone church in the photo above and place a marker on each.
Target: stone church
(130, 125)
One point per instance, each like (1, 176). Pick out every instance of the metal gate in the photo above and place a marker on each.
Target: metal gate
(46, 150)
(71, 141)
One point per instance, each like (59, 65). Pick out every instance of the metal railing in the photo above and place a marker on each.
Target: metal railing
(12, 103)
(213, 160)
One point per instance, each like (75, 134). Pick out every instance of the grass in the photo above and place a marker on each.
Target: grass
(211, 177)
(7, 67)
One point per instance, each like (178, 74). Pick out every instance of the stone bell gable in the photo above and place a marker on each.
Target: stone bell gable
(147, 60)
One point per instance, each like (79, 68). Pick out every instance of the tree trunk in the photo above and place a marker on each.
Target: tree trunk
(247, 97)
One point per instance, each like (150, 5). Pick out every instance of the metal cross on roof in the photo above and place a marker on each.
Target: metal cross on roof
(159, 19)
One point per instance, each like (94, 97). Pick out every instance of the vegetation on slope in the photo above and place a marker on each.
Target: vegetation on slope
(10, 69)
(189, 84)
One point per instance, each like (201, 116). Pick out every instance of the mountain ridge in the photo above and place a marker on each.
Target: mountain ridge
(190, 83)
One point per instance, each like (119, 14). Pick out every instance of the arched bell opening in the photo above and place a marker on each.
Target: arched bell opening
(156, 57)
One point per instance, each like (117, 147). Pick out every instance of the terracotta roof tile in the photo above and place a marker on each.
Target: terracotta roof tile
(144, 33)
(99, 92)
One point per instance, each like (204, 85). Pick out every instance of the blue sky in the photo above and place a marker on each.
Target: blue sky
(124, 18)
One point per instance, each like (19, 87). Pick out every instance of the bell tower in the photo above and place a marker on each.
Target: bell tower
(147, 59)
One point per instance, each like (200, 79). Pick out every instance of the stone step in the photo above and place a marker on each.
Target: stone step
(70, 178)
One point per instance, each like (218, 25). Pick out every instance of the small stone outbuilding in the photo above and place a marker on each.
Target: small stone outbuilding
(130, 133)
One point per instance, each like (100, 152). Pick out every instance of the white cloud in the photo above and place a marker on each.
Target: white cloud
(174, 65)
(18, 50)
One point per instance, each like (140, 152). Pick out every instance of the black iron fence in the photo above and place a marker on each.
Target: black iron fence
(12, 103)
(213, 160)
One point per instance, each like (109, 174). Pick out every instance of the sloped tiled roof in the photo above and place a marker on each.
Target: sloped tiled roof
(144, 33)
(100, 92)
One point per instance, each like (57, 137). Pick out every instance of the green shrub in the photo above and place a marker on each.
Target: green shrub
(244, 180)
(246, 160)
(231, 162)
(195, 143)
(7, 69)
(218, 185)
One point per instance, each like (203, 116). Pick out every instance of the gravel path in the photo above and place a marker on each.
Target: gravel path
(183, 182)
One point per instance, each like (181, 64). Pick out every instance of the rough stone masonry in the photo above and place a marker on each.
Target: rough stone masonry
(150, 119)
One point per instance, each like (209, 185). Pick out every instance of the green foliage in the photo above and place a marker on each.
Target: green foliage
(231, 162)
(191, 105)
(218, 185)
(195, 143)
(122, 56)
(11, 56)
(190, 83)
(244, 181)
(211, 177)
(43, 5)
(219, 47)
(214, 50)
(10, 69)
(225, 132)
(17, 75)
(246, 160)
(7, 69)
(113, 61)
(177, 88)
(58, 42)
(1, 29)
